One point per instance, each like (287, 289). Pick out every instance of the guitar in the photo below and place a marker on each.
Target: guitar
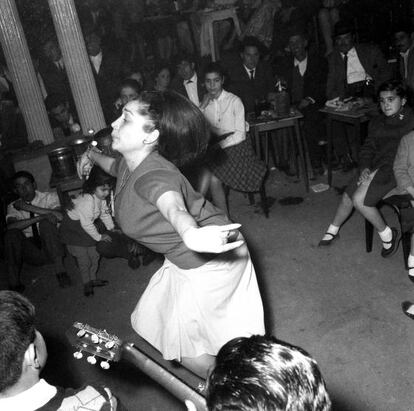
(106, 347)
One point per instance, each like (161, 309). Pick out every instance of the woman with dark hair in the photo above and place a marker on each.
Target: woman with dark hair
(206, 291)
(162, 77)
(233, 163)
(376, 158)
(79, 232)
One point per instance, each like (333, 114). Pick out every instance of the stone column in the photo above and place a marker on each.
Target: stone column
(77, 65)
(23, 74)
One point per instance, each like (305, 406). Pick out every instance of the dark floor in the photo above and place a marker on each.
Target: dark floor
(339, 303)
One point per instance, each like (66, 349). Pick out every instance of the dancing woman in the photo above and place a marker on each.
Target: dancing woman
(206, 292)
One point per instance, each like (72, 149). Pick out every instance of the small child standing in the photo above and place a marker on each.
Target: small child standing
(79, 231)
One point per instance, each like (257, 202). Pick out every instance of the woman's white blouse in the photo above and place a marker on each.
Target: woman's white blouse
(226, 114)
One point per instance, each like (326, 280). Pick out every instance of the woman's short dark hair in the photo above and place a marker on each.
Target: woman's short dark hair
(131, 83)
(393, 85)
(97, 177)
(184, 132)
(214, 68)
(17, 332)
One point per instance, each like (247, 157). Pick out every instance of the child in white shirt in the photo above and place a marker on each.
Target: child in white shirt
(79, 232)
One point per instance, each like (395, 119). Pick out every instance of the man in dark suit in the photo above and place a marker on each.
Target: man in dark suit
(106, 70)
(404, 45)
(305, 76)
(187, 82)
(52, 70)
(251, 78)
(354, 70)
(364, 64)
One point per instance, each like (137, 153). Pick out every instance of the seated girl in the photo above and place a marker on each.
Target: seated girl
(376, 177)
(79, 232)
(404, 176)
(234, 162)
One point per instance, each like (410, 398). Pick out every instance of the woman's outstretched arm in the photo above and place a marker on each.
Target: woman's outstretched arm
(208, 239)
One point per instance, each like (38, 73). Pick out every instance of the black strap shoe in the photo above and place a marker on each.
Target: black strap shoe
(395, 241)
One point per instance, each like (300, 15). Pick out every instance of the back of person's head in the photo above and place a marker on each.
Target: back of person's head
(97, 178)
(183, 130)
(393, 85)
(17, 332)
(261, 373)
(23, 174)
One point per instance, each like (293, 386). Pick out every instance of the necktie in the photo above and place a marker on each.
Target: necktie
(346, 68)
(251, 74)
(35, 231)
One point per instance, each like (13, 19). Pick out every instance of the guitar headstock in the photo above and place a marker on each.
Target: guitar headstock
(98, 343)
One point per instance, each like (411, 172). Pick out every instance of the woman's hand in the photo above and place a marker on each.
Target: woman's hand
(364, 176)
(212, 239)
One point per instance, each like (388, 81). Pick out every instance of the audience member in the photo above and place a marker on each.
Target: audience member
(52, 70)
(355, 70)
(404, 176)
(233, 162)
(162, 77)
(187, 81)
(353, 66)
(376, 177)
(251, 78)
(305, 76)
(79, 231)
(106, 70)
(32, 234)
(263, 373)
(23, 355)
(404, 44)
(62, 121)
(329, 14)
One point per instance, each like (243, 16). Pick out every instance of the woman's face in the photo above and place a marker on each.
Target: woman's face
(128, 94)
(128, 132)
(390, 102)
(214, 84)
(163, 79)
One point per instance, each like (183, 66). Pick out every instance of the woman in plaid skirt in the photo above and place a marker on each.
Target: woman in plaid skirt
(232, 161)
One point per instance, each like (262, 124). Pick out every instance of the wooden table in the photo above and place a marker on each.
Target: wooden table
(258, 126)
(353, 117)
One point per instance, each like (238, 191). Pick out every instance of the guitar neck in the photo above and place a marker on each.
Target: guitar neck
(184, 386)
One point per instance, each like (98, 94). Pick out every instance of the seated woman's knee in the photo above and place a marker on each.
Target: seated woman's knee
(358, 200)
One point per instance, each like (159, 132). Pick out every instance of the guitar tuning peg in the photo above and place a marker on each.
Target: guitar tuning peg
(109, 344)
(81, 333)
(105, 365)
(94, 338)
(78, 355)
(91, 359)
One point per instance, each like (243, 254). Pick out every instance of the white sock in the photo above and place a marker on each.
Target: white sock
(411, 309)
(386, 235)
(332, 229)
(411, 264)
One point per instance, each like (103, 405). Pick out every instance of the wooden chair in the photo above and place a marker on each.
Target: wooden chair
(396, 203)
